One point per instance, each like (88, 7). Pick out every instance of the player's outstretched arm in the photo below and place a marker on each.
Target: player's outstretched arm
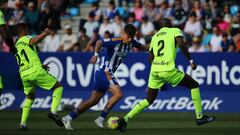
(40, 37)
(140, 46)
(185, 51)
(97, 49)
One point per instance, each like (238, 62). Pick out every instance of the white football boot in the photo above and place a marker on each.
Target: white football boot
(99, 121)
(67, 122)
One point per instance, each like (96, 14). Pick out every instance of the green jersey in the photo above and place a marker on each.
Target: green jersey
(1, 18)
(27, 56)
(164, 48)
(1, 84)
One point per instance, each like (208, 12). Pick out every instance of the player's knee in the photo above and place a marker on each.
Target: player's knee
(31, 96)
(57, 85)
(195, 84)
(93, 102)
(118, 96)
(150, 101)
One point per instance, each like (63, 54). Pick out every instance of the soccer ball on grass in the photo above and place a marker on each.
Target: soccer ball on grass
(112, 122)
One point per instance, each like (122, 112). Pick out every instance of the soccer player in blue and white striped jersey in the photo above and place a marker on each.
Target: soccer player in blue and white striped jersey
(116, 50)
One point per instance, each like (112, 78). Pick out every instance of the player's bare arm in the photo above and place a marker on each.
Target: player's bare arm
(185, 51)
(40, 37)
(97, 49)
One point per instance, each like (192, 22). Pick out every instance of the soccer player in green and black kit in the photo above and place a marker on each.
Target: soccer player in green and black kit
(33, 74)
(162, 53)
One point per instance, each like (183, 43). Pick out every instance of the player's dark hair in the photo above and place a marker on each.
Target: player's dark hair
(165, 22)
(21, 27)
(130, 30)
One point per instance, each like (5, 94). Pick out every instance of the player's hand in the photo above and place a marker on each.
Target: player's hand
(193, 65)
(94, 59)
(46, 67)
(47, 31)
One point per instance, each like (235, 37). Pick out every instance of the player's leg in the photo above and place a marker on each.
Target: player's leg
(56, 99)
(84, 106)
(139, 107)
(56, 96)
(116, 96)
(151, 96)
(26, 110)
(49, 82)
(192, 84)
(154, 83)
(100, 86)
(110, 83)
(30, 96)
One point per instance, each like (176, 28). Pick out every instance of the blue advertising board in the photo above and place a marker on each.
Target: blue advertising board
(217, 73)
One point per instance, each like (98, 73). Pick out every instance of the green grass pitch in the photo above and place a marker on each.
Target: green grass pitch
(147, 123)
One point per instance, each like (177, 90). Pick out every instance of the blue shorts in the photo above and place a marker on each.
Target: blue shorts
(103, 81)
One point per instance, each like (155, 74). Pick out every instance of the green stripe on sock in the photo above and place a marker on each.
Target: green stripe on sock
(137, 109)
(196, 97)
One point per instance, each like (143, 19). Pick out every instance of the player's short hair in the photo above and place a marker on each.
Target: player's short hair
(21, 27)
(165, 22)
(130, 30)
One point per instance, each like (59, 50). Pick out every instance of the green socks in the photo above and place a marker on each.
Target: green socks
(57, 95)
(137, 109)
(56, 98)
(26, 110)
(196, 98)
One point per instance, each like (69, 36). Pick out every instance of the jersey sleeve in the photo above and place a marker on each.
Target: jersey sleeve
(177, 33)
(136, 44)
(1, 18)
(110, 42)
(27, 39)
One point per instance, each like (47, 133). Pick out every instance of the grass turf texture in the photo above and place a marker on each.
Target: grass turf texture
(147, 123)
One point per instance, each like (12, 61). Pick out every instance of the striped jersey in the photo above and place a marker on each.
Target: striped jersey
(116, 50)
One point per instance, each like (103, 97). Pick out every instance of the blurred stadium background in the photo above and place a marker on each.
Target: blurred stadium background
(212, 32)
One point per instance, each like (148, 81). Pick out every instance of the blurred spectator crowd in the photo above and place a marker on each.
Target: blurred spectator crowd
(207, 25)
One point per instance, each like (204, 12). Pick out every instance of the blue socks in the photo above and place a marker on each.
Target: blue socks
(73, 114)
(105, 112)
